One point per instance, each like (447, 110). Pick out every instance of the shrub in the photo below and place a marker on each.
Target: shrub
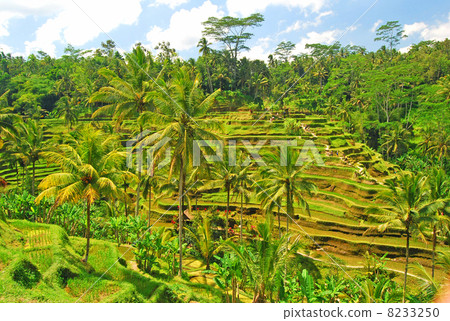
(26, 274)
(292, 126)
(164, 294)
(59, 274)
(338, 142)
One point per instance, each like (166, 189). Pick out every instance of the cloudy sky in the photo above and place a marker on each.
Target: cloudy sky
(27, 26)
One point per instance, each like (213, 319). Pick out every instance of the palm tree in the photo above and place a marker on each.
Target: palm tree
(30, 146)
(128, 97)
(7, 117)
(344, 115)
(282, 180)
(225, 177)
(66, 107)
(221, 75)
(396, 141)
(330, 107)
(444, 85)
(181, 103)
(439, 195)
(204, 240)
(205, 50)
(150, 184)
(427, 139)
(263, 259)
(258, 81)
(321, 73)
(243, 183)
(407, 200)
(88, 172)
(439, 147)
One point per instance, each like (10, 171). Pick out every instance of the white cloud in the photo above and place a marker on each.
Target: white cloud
(404, 49)
(414, 28)
(5, 17)
(260, 51)
(185, 28)
(71, 22)
(247, 7)
(5, 48)
(306, 24)
(326, 37)
(324, 14)
(172, 4)
(439, 31)
(376, 25)
(294, 27)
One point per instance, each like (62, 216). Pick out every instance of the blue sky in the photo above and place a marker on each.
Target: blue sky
(27, 26)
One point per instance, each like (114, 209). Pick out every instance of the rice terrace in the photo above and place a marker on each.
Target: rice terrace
(139, 176)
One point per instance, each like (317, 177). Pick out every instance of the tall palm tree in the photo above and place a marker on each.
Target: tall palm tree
(440, 196)
(282, 180)
(150, 184)
(180, 105)
(330, 107)
(242, 185)
(205, 50)
(396, 140)
(440, 145)
(427, 134)
(407, 200)
(66, 108)
(224, 177)
(30, 146)
(88, 172)
(345, 115)
(127, 97)
(321, 73)
(7, 118)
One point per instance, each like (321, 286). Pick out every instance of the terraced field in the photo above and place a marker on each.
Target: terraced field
(348, 184)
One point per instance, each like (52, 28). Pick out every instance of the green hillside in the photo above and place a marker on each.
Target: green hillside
(40, 263)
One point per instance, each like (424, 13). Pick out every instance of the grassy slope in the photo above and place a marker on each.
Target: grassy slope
(65, 278)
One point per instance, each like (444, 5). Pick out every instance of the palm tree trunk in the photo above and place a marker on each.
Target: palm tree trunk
(88, 230)
(33, 178)
(180, 216)
(226, 212)
(209, 79)
(149, 205)
(287, 215)
(233, 289)
(434, 251)
(407, 258)
(23, 178)
(125, 201)
(279, 222)
(288, 206)
(138, 191)
(242, 211)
